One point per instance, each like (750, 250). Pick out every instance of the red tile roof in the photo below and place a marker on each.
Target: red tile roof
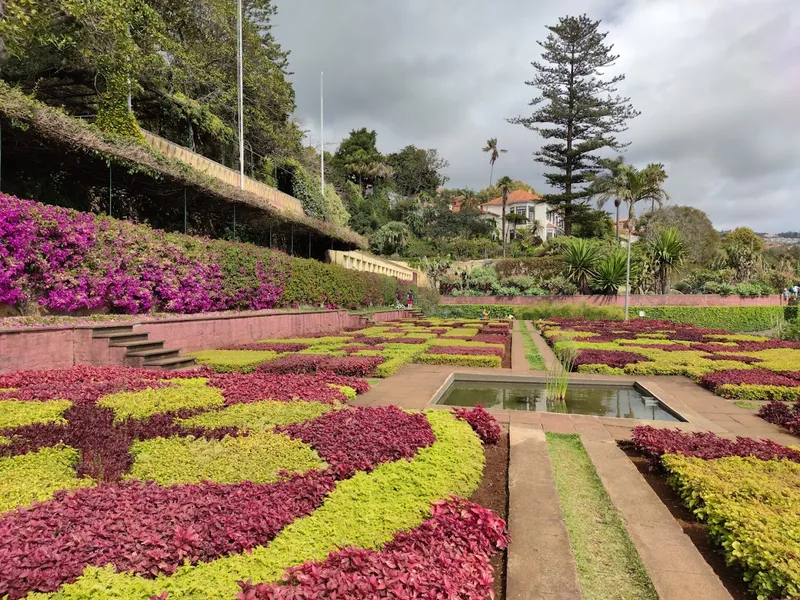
(515, 197)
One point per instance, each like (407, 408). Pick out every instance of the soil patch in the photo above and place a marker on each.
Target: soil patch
(493, 494)
(730, 577)
(506, 362)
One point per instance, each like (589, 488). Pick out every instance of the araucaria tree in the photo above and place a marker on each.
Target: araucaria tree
(579, 112)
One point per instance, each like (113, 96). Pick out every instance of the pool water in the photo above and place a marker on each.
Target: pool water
(628, 402)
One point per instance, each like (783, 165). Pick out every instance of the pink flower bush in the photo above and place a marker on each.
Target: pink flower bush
(445, 557)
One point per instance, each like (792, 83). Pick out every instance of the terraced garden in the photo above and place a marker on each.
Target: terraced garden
(378, 351)
(135, 484)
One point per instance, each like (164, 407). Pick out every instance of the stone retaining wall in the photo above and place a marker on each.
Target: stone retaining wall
(66, 346)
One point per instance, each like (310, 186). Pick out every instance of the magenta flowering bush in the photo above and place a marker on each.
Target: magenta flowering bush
(67, 261)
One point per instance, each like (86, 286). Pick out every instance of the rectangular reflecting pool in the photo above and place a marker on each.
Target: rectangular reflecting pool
(621, 401)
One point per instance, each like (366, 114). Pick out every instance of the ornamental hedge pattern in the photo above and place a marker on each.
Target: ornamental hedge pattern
(134, 484)
(734, 366)
(68, 261)
(379, 350)
(748, 493)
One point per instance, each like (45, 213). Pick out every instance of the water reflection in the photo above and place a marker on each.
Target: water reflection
(621, 402)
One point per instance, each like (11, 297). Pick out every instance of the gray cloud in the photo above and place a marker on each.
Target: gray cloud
(717, 82)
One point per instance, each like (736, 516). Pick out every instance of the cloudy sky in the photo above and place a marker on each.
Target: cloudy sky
(717, 83)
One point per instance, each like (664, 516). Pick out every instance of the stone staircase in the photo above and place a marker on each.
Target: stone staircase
(140, 350)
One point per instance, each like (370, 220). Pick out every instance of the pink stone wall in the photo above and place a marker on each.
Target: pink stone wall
(635, 300)
(52, 348)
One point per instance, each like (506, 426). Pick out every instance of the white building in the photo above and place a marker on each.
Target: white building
(532, 207)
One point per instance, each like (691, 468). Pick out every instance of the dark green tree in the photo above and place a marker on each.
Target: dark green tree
(580, 114)
(418, 171)
(697, 233)
(359, 160)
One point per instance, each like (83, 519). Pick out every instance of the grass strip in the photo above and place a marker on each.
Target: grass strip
(607, 561)
(535, 360)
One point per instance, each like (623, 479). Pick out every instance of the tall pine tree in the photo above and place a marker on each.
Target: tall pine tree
(581, 113)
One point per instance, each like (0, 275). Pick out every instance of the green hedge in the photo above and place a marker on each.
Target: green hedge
(313, 282)
(729, 318)
(543, 310)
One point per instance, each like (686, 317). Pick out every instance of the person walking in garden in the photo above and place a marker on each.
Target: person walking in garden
(786, 295)
(410, 299)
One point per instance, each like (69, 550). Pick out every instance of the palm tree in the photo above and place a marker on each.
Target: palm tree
(666, 251)
(495, 152)
(631, 185)
(504, 183)
(603, 187)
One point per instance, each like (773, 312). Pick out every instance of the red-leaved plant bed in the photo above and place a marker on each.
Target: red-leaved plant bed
(240, 388)
(469, 351)
(103, 443)
(271, 346)
(484, 424)
(654, 443)
(737, 357)
(367, 340)
(360, 438)
(712, 381)
(445, 557)
(145, 528)
(86, 384)
(490, 338)
(299, 364)
(612, 358)
(408, 340)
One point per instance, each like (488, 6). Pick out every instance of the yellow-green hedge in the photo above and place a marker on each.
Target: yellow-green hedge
(234, 361)
(16, 413)
(460, 360)
(145, 403)
(752, 508)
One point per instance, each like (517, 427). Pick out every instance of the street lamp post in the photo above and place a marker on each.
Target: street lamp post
(240, 77)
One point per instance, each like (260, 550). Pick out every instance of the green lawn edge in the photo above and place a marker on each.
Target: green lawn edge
(607, 561)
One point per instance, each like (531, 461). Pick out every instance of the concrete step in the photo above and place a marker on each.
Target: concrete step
(175, 363)
(111, 331)
(139, 345)
(154, 353)
(123, 339)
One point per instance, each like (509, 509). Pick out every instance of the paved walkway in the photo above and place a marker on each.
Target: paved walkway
(540, 562)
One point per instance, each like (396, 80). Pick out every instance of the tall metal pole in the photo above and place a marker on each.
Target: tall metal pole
(628, 268)
(240, 75)
(322, 129)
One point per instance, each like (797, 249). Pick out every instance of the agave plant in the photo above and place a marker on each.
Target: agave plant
(609, 274)
(666, 251)
(581, 257)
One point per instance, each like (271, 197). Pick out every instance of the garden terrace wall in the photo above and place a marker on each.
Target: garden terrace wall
(59, 347)
(637, 300)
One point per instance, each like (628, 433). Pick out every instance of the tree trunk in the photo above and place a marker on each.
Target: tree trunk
(503, 228)
(491, 175)
(616, 204)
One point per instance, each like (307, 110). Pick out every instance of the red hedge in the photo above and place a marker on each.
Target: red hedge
(299, 364)
(612, 358)
(238, 388)
(445, 557)
(360, 438)
(468, 351)
(712, 381)
(145, 528)
(484, 424)
(654, 442)
(490, 338)
(273, 346)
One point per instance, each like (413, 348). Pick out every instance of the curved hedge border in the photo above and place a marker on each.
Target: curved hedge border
(365, 511)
